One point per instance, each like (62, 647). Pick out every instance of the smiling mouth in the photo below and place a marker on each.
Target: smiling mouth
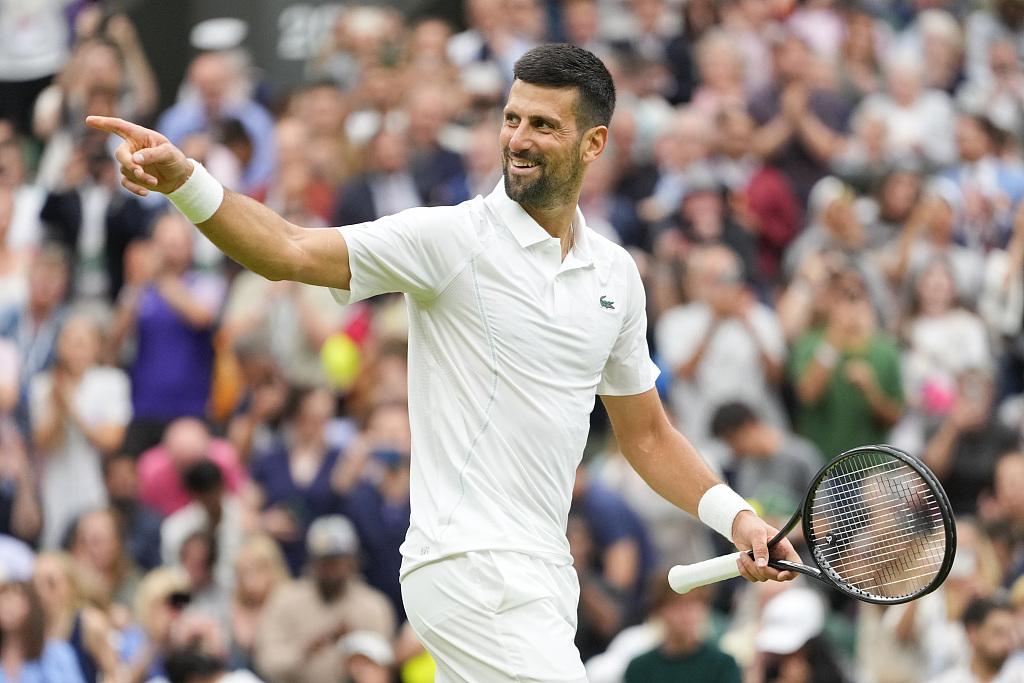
(522, 164)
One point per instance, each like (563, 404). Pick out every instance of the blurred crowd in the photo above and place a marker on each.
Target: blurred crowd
(204, 475)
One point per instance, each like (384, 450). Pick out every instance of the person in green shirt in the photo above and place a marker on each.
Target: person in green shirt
(686, 654)
(846, 373)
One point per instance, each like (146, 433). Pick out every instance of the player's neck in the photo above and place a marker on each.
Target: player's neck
(556, 220)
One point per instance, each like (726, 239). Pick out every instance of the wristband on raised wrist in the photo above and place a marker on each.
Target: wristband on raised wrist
(200, 196)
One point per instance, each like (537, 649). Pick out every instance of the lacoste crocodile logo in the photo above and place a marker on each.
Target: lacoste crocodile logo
(607, 304)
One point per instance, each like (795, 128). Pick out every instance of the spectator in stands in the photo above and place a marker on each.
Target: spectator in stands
(185, 443)
(603, 608)
(920, 121)
(801, 126)
(991, 187)
(760, 197)
(80, 410)
(139, 524)
(70, 619)
(723, 346)
(771, 466)
(931, 232)
(259, 569)
(846, 373)
(158, 605)
(34, 325)
(963, 450)
(24, 650)
(687, 652)
(172, 316)
(260, 397)
(291, 481)
(217, 92)
(387, 186)
(212, 511)
(790, 643)
(305, 618)
(991, 634)
(434, 167)
(623, 553)
(21, 515)
(96, 547)
(378, 504)
(90, 215)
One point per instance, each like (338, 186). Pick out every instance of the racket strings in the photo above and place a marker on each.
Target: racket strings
(877, 526)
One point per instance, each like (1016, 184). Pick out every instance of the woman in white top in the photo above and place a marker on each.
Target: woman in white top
(79, 413)
(942, 339)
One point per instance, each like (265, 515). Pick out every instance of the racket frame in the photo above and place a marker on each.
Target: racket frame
(823, 571)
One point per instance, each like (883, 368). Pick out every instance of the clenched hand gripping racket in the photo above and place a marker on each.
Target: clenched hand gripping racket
(878, 525)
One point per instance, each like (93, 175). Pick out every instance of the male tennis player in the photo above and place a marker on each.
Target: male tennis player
(519, 315)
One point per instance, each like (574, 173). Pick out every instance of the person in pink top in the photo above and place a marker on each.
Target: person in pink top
(186, 441)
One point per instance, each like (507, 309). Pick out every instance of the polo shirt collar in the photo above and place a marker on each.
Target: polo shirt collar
(528, 232)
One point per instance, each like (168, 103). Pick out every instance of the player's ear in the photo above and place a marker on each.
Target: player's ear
(593, 144)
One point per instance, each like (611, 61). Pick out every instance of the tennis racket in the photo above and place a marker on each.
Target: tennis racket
(878, 526)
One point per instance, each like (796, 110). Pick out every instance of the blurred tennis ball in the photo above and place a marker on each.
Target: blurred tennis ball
(340, 357)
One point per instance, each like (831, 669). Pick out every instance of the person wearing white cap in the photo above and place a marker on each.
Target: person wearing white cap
(304, 619)
(790, 643)
(520, 315)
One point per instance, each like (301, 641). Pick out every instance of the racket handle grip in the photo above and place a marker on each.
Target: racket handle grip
(684, 577)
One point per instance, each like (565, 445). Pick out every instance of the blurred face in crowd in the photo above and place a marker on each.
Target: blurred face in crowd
(685, 618)
(97, 542)
(316, 409)
(172, 237)
(792, 58)
(187, 441)
(428, 43)
(14, 607)
(899, 196)
(389, 152)
(972, 141)
(388, 427)
(579, 20)
(993, 640)
(97, 64)
(737, 130)
(47, 282)
(428, 113)
(52, 583)
(1008, 483)
(331, 574)
(936, 291)
(78, 346)
(904, 81)
(255, 574)
(121, 480)
(211, 75)
(541, 145)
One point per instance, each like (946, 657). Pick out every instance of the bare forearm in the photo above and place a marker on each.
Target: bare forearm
(822, 141)
(26, 515)
(770, 137)
(671, 466)
(884, 407)
(813, 382)
(253, 235)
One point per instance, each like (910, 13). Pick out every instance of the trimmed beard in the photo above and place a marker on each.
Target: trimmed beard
(545, 191)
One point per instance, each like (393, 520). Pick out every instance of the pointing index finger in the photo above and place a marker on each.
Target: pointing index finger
(118, 127)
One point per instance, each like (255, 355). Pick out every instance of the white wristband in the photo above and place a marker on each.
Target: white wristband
(718, 508)
(200, 196)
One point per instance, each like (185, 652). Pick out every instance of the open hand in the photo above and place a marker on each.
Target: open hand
(148, 160)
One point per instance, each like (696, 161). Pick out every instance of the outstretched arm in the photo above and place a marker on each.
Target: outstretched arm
(242, 228)
(670, 464)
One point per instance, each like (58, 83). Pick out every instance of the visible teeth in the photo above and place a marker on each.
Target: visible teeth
(523, 164)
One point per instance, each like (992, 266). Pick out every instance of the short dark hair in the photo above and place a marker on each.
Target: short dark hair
(978, 609)
(562, 65)
(730, 418)
(203, 477)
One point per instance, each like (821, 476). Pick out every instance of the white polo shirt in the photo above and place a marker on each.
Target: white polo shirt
(508, 345)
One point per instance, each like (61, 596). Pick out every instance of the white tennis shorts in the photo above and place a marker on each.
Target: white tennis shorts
(487, 617)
